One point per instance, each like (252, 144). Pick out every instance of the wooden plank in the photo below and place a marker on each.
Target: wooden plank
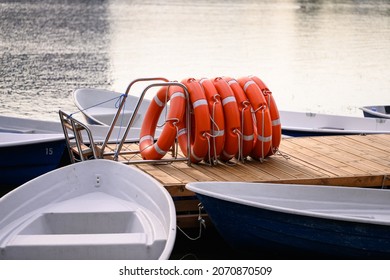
(178, 190)
(250, 170)
(289, 167)
(194, 172)
(191, 221)
(158, 174)
(308, 168)
(315, 159)
(370, 155)
(363, 160)
(176, 172)
(188, 205)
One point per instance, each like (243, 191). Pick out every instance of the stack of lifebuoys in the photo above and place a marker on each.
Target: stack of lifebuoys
(229, 119)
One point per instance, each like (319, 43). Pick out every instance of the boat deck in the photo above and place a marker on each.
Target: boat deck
(359, 160)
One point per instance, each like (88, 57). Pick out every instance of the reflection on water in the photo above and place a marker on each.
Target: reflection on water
(48, 49)
(321, 56)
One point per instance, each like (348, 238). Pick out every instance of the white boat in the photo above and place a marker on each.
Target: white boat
(100, 106)
(377, 111)
(297, 221)
(97, 209)
(29, 148)
(312, 124)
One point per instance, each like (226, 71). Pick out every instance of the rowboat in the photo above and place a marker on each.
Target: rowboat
(29, 148)
(378, 111)
(97, 209)
(298, 221)
(312, 124)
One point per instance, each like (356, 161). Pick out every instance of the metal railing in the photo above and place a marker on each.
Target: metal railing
(101, 151)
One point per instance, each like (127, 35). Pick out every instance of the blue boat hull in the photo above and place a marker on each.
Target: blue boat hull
(262, 233)
(298, 133)
(19, 164)
(302, 133)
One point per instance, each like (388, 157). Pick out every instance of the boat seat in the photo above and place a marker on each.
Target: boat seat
(84, 246)
(77, 239)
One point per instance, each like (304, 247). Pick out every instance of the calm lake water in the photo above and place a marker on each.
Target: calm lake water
(319, 56)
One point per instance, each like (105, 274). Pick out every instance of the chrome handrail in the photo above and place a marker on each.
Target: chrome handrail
(120, 109)
(132, 119)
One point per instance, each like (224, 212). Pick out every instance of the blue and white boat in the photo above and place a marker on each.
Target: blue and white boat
(29, 148)
(297, 124)
(298, 221)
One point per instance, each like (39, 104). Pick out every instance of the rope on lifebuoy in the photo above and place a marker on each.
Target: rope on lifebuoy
(201, 128)
(274, 112)
(231, 117)
(262, 116)
(217, 122)
(246, 118)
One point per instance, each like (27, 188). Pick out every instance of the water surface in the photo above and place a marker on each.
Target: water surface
(319, 56)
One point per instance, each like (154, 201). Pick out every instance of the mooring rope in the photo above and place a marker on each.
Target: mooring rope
(119, 98)
(202, 223)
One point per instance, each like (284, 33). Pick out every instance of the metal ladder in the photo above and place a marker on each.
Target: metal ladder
(80, 150)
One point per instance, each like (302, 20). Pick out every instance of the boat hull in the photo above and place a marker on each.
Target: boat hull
(21, 163)
(299, 221)
(298, 124)
(264, 233)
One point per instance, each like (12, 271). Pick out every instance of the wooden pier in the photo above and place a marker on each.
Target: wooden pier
(357, 161)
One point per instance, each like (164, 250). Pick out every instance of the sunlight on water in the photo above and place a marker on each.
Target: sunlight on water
(319, 56)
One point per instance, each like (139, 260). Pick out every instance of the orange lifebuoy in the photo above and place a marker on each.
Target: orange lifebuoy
(244, 106)
(216, 117)
(200, 123)
(232, 119)
(263, 119)
(149, 149)
(275, 118)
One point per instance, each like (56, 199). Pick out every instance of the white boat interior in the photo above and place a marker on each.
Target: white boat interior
(96, 209)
